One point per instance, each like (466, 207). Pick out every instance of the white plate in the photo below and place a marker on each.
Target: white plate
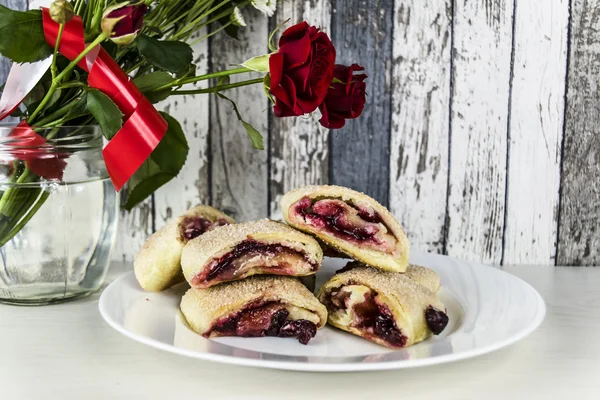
(488, 309)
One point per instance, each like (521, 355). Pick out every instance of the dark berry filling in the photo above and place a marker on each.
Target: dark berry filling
(226, 268)
(372, 318)
(342, 220)
(436, 320)
(192, 227)
(270, 319)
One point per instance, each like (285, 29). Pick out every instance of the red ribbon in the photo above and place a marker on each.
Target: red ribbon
(28, 146)
(144, 126)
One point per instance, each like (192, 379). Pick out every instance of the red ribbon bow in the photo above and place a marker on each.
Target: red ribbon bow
(144, 126)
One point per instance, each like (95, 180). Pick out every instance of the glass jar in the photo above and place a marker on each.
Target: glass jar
(58, 214)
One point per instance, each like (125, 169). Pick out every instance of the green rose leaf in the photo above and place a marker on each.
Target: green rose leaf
(255, 136)
(22, 36)
(164, 164)
(149, 82)
(106, 112)
(258, 63)
(170, 55)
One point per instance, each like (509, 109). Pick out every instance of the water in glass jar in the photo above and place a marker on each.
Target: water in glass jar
(64, 250)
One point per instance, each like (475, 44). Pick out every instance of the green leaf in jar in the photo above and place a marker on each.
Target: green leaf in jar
(150, 82)
(106, 113)
(170, 55)
(22, 35)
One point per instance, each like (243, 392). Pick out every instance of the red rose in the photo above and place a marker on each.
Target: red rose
(301, 71)
(344, 100)
(122, 22)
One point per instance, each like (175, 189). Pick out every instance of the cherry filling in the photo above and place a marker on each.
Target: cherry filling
(192, 227)
(436, 320)
(355, 224)
(278, 258)
(270, 319)
(374, 319)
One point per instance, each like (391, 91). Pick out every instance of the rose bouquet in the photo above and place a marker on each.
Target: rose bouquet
(96, 62)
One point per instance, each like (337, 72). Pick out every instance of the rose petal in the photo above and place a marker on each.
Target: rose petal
(296, 53)
(293, 33)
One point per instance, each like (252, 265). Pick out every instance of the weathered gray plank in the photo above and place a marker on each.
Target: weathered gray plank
(419, 135)
(579, 221)
(536, 125)
(239, 172)
(362, 33)
(481, 71)
(191, 187)
(299, 146)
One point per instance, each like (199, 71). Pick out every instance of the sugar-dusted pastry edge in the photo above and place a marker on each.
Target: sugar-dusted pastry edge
(200, 251)
(371, 257)
(203, 307)
(157, 265)
(405, 298)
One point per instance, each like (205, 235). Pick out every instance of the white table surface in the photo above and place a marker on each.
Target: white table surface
(67, 352)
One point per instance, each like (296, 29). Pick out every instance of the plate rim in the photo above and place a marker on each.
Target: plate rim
(334, 366)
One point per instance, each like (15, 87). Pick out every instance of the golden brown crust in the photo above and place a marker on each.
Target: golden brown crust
(422, 275)
(199, 252)
(388, 262)
(203, 307)
(406, 299)
(157, 264)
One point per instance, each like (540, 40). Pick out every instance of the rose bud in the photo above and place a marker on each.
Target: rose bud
(122, 22)
(345, 98)
(301, 70)
(61, 11)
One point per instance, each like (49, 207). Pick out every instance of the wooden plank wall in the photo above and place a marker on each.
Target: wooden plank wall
(481, 130)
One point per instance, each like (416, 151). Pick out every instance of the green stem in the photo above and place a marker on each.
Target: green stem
(193, 79)
(38, 202)
(222, 27)
(56, 81)
(70, 85)
(199, 18)
(56, 46)
(219, 88)
(136, 66)
(61, 112)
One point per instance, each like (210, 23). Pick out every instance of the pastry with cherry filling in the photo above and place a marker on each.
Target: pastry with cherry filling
(257, 306)
(387, 308)
(235, 252)
(157, 265)
(349, 222)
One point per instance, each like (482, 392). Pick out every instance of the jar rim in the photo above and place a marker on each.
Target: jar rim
(69, 137)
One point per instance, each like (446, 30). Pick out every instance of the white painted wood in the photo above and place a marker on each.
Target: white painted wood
(482, 54)
(68, 352)
(190, 188)
(536, 124)
(299, 146)
(134, 229)
(419, 137)
(239, 172)
(191, 185)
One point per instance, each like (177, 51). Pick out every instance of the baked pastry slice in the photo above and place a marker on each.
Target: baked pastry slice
(259, 247)
(254, 307)
(422, 275)
(157, 265)
(349, 222)
(387, 308)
